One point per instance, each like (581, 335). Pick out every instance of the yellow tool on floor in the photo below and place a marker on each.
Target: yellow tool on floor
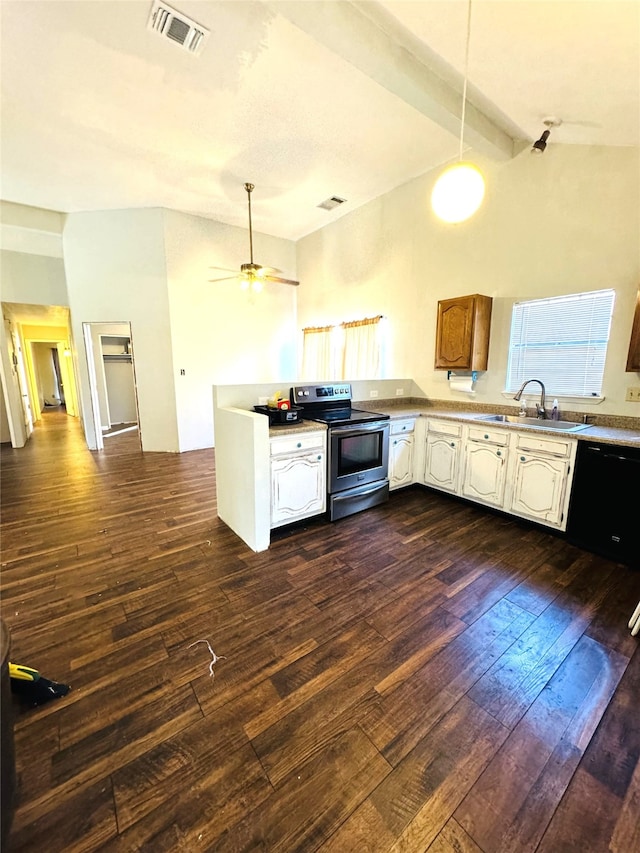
(33, 687)
(24, 673)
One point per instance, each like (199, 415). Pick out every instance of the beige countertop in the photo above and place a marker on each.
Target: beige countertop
(606, 429)
(291, 429)
(605, 433)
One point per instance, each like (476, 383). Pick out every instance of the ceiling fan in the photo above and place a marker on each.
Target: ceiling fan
(253, 275)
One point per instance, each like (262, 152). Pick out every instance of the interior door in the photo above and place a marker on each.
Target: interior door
(15, 352)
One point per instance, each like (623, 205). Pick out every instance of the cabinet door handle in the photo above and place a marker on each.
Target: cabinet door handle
(319, 457)
(486, 436)
(396, 441)
(523, 458)
(453, 444)
(499, 453)
(299, 444)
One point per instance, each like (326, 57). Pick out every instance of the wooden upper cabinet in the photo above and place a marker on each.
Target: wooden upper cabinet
(633, 359)
(462, 333)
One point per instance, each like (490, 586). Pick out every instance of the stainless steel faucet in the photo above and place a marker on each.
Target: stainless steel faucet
(540, 409)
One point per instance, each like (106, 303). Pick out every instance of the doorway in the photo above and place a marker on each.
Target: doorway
(29, 335)
(112, 384)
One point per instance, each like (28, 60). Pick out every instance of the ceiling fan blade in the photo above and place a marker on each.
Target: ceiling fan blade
(281, 280)
(252, 274)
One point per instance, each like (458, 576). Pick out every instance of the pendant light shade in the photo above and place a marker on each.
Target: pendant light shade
(459, 190)
(457, 193)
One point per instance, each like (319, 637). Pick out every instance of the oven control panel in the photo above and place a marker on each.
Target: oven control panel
(304, 394)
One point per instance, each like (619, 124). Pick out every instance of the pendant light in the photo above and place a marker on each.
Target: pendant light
(459, 190)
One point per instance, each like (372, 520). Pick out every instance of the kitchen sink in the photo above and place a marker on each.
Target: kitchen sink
(560, 426)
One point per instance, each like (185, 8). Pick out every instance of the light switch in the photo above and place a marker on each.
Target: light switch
(633, 394)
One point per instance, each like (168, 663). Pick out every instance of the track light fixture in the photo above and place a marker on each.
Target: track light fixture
(540, 144)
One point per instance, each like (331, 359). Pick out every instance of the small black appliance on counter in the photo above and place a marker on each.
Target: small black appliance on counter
(277, 417)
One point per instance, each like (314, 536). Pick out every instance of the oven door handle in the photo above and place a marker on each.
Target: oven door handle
(371, 427)
(361, 492)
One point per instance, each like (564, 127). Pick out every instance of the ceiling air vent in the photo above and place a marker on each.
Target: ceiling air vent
(330, 203)
(175, 26)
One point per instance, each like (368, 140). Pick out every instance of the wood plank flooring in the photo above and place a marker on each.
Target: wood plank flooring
(424, 676)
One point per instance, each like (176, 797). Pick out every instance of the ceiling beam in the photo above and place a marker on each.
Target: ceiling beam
(366, 36)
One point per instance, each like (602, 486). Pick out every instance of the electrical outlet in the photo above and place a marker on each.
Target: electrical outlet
(399, 392)
(373, 393)
(633, 394)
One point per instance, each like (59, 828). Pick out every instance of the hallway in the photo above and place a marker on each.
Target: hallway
(425, 676)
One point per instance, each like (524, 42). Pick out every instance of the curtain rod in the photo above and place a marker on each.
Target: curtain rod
(346, 324)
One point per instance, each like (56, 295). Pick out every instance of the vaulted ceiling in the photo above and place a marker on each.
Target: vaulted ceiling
(306, 100)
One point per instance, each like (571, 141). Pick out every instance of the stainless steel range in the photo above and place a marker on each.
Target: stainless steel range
(357, 444)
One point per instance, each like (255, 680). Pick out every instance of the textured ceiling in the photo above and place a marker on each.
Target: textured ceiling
(304, 99)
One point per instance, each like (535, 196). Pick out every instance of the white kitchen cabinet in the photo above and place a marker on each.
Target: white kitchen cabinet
(522, 473)
(298, 477)
(486, 455)
(442, 455)
(401, 453)
(541, 478)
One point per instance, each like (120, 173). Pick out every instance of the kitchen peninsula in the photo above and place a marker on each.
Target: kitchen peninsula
(245, 442)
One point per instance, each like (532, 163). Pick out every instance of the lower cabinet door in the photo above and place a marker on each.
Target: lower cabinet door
(485, 473)
(298, 487)
(400, 461)
(442, 461)
(539, 488)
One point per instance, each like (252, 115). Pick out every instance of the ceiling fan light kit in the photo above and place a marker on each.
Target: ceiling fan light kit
(459, 190)
(252, 276)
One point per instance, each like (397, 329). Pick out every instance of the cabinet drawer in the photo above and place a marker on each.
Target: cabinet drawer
(296, 443)
(444, 427)
(399, 427)
(529, 442)
(490, 436)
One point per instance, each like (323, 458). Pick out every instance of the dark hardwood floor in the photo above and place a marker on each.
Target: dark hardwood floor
(424, 676)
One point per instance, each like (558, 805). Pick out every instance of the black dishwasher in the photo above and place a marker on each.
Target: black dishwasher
(604, 512)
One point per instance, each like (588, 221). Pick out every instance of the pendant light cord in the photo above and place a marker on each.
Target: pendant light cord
(466, 74)
(249, 188)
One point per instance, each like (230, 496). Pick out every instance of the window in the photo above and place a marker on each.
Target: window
(562, 341)
(352, 350)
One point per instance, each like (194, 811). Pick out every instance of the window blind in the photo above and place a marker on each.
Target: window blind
(562, 341)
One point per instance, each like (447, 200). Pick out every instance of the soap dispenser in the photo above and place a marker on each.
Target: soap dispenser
(555, 411)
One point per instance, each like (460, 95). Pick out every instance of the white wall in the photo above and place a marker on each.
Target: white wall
(151, 267)
(116, 272)
(31, 230)
(561, 223)
(34, 279)
(220, 333)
